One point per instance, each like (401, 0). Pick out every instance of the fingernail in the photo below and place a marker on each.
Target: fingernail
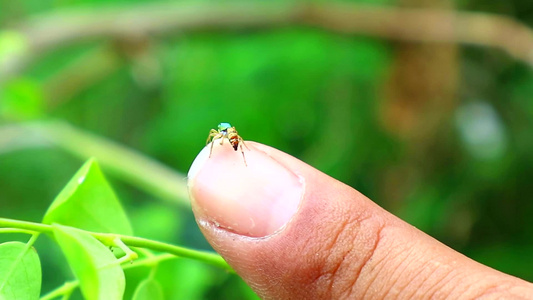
(255, 199)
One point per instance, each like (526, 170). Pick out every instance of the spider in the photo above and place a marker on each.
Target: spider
(225, 130)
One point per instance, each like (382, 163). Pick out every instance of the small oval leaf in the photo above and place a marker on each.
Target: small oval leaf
(95, 266)
(148, 289)
(20, 272)
(89, 203)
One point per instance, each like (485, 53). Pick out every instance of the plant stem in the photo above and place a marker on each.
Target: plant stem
(65, 289)
(28, 226)
(131, 241)
(207, 257)
(32, 240)
(130, 254)
(69, 286)
(16, 230)
(149, 261)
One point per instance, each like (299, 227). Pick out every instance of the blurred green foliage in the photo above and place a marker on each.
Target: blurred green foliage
(311, 93)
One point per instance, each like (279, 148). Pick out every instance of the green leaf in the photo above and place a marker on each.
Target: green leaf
(148, 289)
(20, 272)
(95, 266)
(89, 203)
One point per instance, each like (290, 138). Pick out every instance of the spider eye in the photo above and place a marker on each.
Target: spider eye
(224, 126)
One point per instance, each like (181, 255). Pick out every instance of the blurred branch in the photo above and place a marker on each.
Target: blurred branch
(428, 25)
(57, 29)
(133, 167)
(79, 75)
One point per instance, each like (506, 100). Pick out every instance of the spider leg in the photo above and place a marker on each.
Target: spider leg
(212, 133)
(242, 141)
(244, 158)
(216, 136)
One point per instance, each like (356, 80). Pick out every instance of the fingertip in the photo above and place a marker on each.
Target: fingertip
(249, 194)
(197, 164)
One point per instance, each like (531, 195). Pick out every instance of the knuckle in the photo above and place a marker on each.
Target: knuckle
(350, 246)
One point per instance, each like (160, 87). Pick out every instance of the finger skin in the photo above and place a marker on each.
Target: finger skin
(341, 245)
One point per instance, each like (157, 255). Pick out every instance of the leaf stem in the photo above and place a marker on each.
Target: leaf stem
(31, 227)
(32, 240)
(16, 230)
(149, 261)
(131, 241)
(67, 288)
(130, 254)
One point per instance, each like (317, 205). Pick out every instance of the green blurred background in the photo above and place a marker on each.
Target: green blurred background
(440, 134)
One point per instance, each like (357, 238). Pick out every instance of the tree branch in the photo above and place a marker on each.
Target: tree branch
(129, 165)
(57, 29)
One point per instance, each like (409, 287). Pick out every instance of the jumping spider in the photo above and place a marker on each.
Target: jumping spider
(225, 130)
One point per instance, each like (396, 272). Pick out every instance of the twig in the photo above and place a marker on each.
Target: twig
(133, 241)
(53, 30)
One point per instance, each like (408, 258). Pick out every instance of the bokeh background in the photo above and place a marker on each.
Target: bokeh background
(425, 106)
